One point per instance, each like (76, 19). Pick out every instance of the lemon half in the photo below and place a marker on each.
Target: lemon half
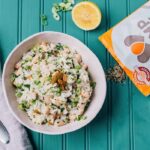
(86, 15)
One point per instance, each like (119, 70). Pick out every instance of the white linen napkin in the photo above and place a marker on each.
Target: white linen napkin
(18, 136)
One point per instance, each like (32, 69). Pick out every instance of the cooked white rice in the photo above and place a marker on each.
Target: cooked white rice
(52, 84)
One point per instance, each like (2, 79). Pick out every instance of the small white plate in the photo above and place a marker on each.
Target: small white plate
(88, 57)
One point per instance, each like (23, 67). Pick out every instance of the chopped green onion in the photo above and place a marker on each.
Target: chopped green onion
(38, 72)
(21, 107)
(27, 85)
(56, 8)
(56, 16)
(18, 94)
(78, 67)
(37, 82)
(59, 46)
(24, 105)
(18, 86)
(27, 67)
(78, 91)
(59, 90)
(29, 58)
(44, 20)
(40, 49)
(67, 5)
(79, 81)
(62, 109)
(48, 78)
(39, 85)
(33, 102)
(93, 84)
(74, 104)
(69, 1)
(80, 117)
(12, 77)
(49, 54)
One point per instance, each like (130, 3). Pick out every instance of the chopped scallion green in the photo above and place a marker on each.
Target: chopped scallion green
(67, 5)
(12, 77)
(93, 84)
(37, 82)
(24, 105)
(81, 117)
(78, 67)
(18, 94)
(79, 81)
(44, 20)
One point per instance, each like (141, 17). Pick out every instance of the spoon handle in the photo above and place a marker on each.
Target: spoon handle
(4, 135)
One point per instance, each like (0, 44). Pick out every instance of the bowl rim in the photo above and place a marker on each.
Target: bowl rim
(69, 129)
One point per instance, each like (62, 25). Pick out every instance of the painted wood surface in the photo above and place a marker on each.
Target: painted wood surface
(123, 123)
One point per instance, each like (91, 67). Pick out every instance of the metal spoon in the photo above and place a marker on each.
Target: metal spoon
(4, 135)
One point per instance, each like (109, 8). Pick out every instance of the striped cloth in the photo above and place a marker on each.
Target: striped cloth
(18, 136)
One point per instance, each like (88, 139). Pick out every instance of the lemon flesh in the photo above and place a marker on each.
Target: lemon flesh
(86, 15)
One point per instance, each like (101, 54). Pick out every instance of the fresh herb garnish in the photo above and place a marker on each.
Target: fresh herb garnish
(48, 78)
(74, 104)
(27, 86)
(19, 86)
(18, 94)
(79, 81)
(78, 67)
(24, 105)
(37, 82)
(81, 117)
(27, 67)
(44, 20)
(93, 84)
(67, 5)
(33, 101)
(59, 46)
(78, 91)
(49, 54)
(13, 77)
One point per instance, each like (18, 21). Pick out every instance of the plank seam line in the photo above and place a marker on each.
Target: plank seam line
(86, 130)
(109, 132)
(131, 129)
(19, 21)
(64, 136)
(41, 28)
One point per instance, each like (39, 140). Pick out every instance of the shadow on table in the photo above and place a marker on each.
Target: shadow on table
(32, 135)
(1, 56)
(105, 115)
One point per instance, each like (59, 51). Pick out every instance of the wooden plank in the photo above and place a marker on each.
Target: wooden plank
(53, 25)
(123, 121)
(52, 142)
(30, 24)
(140, 106)
(74, 140)
(8, 27)
(120, 123)
(30, 17)
(97, 137)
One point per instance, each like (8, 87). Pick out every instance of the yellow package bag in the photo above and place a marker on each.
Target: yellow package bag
(129, 44)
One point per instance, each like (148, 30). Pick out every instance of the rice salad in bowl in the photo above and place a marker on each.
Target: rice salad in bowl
(53, 85)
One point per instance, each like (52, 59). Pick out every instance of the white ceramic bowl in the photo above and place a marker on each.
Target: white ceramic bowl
(89, 58)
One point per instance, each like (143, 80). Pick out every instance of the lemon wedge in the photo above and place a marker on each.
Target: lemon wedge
(86, 15)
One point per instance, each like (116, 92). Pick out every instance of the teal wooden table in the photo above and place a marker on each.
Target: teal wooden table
(124, 121)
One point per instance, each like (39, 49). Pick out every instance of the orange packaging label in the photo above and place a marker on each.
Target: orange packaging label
(129, 44)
